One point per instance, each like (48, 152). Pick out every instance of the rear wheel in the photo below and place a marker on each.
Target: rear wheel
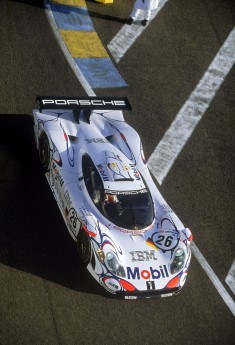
(83, 247)
(44, 151)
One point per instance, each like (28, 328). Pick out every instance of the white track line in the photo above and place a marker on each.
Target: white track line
(67, 54)
(230, 279)
(181, 129)
(128, 34)
(214, 279)
(175, 138)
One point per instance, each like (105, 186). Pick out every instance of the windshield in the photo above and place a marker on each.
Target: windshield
(130, 211)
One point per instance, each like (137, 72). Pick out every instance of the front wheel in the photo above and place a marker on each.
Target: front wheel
(83, 247)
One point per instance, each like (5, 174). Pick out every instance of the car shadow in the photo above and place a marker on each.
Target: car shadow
(33, 236)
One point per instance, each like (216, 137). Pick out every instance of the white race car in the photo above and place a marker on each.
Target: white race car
(127, 236)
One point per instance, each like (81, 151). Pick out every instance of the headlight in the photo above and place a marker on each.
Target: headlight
(112, 261)
(113, 264)
(179, 261)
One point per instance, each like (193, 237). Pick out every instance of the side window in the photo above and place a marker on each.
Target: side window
(92, 181)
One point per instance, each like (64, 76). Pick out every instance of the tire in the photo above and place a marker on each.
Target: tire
(44, 151)
(83, 247)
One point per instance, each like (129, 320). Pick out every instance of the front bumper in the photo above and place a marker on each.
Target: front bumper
(148, 293)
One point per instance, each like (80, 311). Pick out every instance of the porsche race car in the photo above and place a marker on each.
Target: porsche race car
(127, 236)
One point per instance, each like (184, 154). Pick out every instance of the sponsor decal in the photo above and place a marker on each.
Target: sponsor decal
(85, 102)
(112, 283)
(102, 172)
(73, 217)
(56, 175)
(74, 223)
(143, 255)
(136, 232)
(56, 156)
(67, 198)
(131, 232)
(96, 140)
(152, 273)
(124, 192)
(164, 240)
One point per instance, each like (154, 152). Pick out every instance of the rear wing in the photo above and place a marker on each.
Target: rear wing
(81, 103)
(85, 104)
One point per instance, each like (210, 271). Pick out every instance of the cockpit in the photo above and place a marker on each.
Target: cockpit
(129, 209)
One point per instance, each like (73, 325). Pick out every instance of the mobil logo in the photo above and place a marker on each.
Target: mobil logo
(151, 273)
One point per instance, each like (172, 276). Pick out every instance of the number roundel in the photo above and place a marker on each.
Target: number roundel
(165, 240)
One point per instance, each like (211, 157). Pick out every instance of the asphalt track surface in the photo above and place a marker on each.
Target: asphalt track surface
(45, 298)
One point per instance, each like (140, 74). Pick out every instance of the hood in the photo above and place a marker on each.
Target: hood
(142, 262)
(143, 266)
